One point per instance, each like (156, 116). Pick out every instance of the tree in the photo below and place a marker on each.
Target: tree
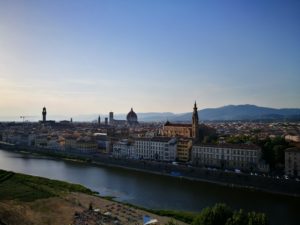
(216, 215)
(221, 214)
(205, 217)
(238, 218)
(273, 150)
(252, 218)
(279, 154)
(257, 219)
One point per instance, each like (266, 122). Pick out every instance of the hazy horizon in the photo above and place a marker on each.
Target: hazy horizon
(94, 116)
(88, 57)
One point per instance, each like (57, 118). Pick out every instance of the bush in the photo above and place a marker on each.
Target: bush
(216, 215)
(221, 214)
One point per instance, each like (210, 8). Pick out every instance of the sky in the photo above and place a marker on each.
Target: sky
(95, 56)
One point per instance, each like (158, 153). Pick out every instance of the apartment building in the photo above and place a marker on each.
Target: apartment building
(124, 149)
(156, 148)
(244, 157)
(184, 147)
(292, 162)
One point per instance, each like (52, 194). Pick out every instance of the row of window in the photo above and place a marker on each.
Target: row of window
(235, 158)
(211, 162)
(228, 151)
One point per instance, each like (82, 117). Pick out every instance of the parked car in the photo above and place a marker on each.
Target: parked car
(237, 171)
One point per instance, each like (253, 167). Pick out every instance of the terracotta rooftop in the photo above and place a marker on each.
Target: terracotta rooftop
(177, 124)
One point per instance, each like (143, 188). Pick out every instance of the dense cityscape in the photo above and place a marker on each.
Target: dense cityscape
(258, 148)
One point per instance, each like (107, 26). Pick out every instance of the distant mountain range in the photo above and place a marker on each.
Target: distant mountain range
(242, 112)
(225, 113)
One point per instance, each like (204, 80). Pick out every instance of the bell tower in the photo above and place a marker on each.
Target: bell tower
(44, 113)
(195, 123)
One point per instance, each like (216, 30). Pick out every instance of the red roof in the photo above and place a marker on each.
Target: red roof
(178, 125)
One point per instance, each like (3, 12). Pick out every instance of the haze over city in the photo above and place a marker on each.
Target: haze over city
(82, 57)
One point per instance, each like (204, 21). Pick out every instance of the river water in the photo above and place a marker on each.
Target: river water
(154, 191)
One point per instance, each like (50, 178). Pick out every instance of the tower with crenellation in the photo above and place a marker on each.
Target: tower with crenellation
(195, 123)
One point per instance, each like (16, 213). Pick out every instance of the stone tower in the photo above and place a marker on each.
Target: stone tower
(44, 114)
(195, 123)
(111, 118)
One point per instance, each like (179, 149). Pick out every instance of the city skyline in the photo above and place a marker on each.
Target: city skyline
(94, 57)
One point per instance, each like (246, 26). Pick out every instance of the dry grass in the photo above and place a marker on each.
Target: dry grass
(60, 210)
(30, 200)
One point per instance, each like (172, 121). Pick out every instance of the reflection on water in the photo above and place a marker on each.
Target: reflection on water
(152, 191)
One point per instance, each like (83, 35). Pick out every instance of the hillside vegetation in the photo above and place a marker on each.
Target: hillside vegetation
(14, 186)
(37, 200)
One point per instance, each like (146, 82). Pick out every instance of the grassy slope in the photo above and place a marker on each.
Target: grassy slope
(183, 216)
(14, 186)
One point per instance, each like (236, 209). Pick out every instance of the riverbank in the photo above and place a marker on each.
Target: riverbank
(31, 200)
(241, 181)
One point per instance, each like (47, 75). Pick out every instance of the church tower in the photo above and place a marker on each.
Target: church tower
(111, 118)
(44, 114)
(195, 123)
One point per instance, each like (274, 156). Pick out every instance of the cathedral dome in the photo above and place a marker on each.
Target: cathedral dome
(132, 117)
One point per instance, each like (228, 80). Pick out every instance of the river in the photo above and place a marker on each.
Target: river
(153, 191)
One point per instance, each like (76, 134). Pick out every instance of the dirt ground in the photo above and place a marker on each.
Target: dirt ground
(61, 210)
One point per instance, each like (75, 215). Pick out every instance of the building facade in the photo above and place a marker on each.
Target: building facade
(156, 148)
(124, 149)
(183, 130)
(244, 157)
(184, 147)
(292, 162)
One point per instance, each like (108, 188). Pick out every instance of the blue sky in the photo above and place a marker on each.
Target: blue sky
(81, 57)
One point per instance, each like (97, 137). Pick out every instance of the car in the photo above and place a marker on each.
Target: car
(237, 171)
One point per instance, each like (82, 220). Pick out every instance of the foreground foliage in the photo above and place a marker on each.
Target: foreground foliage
(221, 214)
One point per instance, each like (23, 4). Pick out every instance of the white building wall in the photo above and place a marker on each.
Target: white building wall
(146, 149)
(229, 156)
